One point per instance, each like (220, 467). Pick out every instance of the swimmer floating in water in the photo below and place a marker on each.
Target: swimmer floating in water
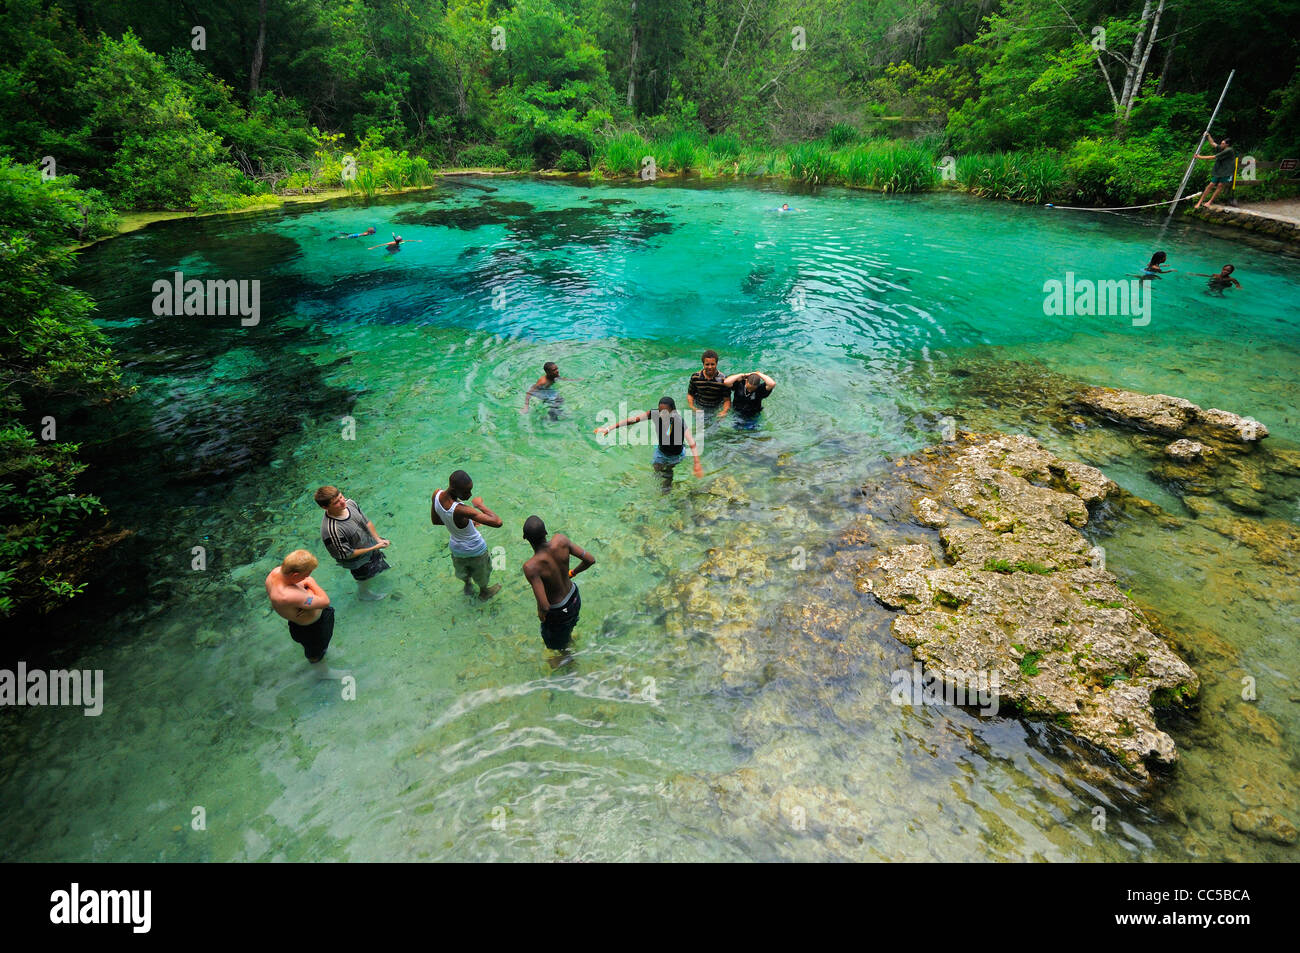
(1222, 280)
(367, 233)
(1153, 269)
(395, 244)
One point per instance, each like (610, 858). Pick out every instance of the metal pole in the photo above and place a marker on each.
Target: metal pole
(1188, 174)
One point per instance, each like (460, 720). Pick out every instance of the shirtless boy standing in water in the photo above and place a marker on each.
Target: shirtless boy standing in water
(297, 598)
(558, 601)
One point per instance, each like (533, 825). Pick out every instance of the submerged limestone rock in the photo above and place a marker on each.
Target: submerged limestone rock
(1266, 825)
(1012, 591)
(1171, 416)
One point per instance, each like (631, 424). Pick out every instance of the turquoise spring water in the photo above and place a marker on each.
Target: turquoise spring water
(462, 742)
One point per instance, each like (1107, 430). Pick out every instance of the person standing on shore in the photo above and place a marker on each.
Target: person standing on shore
(352, 540)
(1225, 164)
(469, 550)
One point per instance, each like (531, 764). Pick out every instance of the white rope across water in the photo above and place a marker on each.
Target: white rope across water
(1120, 208)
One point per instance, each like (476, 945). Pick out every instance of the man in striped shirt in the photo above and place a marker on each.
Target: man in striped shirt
(352, 540)
(708, 389)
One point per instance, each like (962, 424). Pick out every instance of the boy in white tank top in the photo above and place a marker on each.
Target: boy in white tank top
(469, 551)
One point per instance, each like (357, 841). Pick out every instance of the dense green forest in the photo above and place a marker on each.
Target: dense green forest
(158, 104)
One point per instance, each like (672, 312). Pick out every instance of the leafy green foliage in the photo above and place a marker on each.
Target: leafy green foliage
(1106, 172)
(49, 353)
(570, 161)
(483, 157)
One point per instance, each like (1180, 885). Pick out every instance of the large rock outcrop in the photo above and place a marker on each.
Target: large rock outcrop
(1015, 592)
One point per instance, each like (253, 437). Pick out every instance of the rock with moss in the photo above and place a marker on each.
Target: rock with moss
(1010, 590)
(1169, 416)
(1185, 450)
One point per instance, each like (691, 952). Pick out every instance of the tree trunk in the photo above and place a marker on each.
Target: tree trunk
(1131, 69)
(1105, 73)
(255, 74)
(735, 36)
(631, 65)
(1146, 55)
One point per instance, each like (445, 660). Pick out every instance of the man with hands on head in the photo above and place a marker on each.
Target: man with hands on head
(747, 393)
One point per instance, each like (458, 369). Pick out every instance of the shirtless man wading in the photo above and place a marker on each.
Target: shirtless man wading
(558, 601)
(297, 598)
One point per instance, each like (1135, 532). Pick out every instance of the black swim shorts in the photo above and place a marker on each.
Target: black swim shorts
(314, 638)
(371, 569)
(557, 630)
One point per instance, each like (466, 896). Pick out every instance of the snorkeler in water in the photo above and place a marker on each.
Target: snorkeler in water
(366, 234)
(1221, 281)
(1153, 269)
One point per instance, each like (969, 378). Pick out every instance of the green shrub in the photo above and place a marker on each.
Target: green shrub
(890, 167)
(724, 146)
(482, 157)
(1020, 176)
(677, 153)
(570, 161)
(1107, 172)
(622, 154)
(49, 349)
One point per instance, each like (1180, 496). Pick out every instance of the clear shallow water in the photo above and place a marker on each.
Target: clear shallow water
(462, 743)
